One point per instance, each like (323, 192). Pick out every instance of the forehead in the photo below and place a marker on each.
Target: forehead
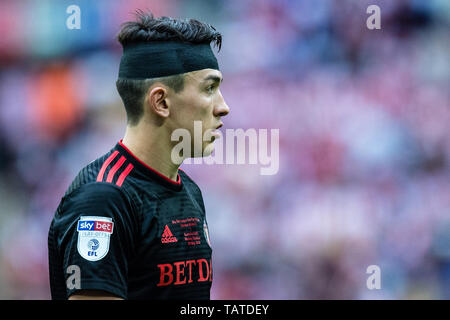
(203, 75)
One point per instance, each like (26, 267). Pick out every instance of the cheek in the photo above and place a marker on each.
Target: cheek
(208, 106)
(199, 108)
(194, 107)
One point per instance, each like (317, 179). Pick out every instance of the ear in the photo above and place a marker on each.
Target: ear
(157, 101)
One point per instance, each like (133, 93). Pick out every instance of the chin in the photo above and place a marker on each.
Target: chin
(208, 150)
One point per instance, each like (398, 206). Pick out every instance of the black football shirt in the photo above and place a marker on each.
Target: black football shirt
(124, 228)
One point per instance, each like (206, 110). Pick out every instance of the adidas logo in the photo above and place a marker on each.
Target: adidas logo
(167, 236)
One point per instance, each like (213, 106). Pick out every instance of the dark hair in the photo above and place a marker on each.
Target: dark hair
(148, 28)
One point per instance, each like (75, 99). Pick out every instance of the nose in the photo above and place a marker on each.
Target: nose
(221, 108)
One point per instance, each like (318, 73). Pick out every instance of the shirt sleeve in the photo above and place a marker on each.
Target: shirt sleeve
(96, 230)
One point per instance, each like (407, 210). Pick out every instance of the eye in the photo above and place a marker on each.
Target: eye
(210, 88)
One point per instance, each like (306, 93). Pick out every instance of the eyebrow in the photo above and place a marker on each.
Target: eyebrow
(213, 78)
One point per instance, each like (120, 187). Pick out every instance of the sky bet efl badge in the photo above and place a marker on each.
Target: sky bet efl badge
(93, 237)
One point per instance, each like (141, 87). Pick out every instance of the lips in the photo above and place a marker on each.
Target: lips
(215, 132)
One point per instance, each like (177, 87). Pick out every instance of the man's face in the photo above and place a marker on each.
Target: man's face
(200, 100)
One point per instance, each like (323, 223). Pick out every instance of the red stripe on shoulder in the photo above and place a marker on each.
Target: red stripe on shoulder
(124, 174)
(105, 165)
(114, 169)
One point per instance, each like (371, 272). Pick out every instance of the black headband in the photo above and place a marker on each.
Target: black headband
(165, 58)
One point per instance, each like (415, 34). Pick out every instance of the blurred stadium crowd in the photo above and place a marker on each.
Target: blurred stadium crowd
(364, 120)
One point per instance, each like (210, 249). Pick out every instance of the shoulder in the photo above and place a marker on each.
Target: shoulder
(96, 200)
(97, 191)
(90, 196)
(97, 197)
(110, 168)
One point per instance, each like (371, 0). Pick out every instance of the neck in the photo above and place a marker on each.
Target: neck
(153, 148)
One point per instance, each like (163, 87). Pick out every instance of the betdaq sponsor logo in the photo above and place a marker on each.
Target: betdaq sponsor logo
(92, 225)
(184, 272)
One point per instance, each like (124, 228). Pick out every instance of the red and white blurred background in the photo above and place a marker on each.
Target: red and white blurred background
(364, 120)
